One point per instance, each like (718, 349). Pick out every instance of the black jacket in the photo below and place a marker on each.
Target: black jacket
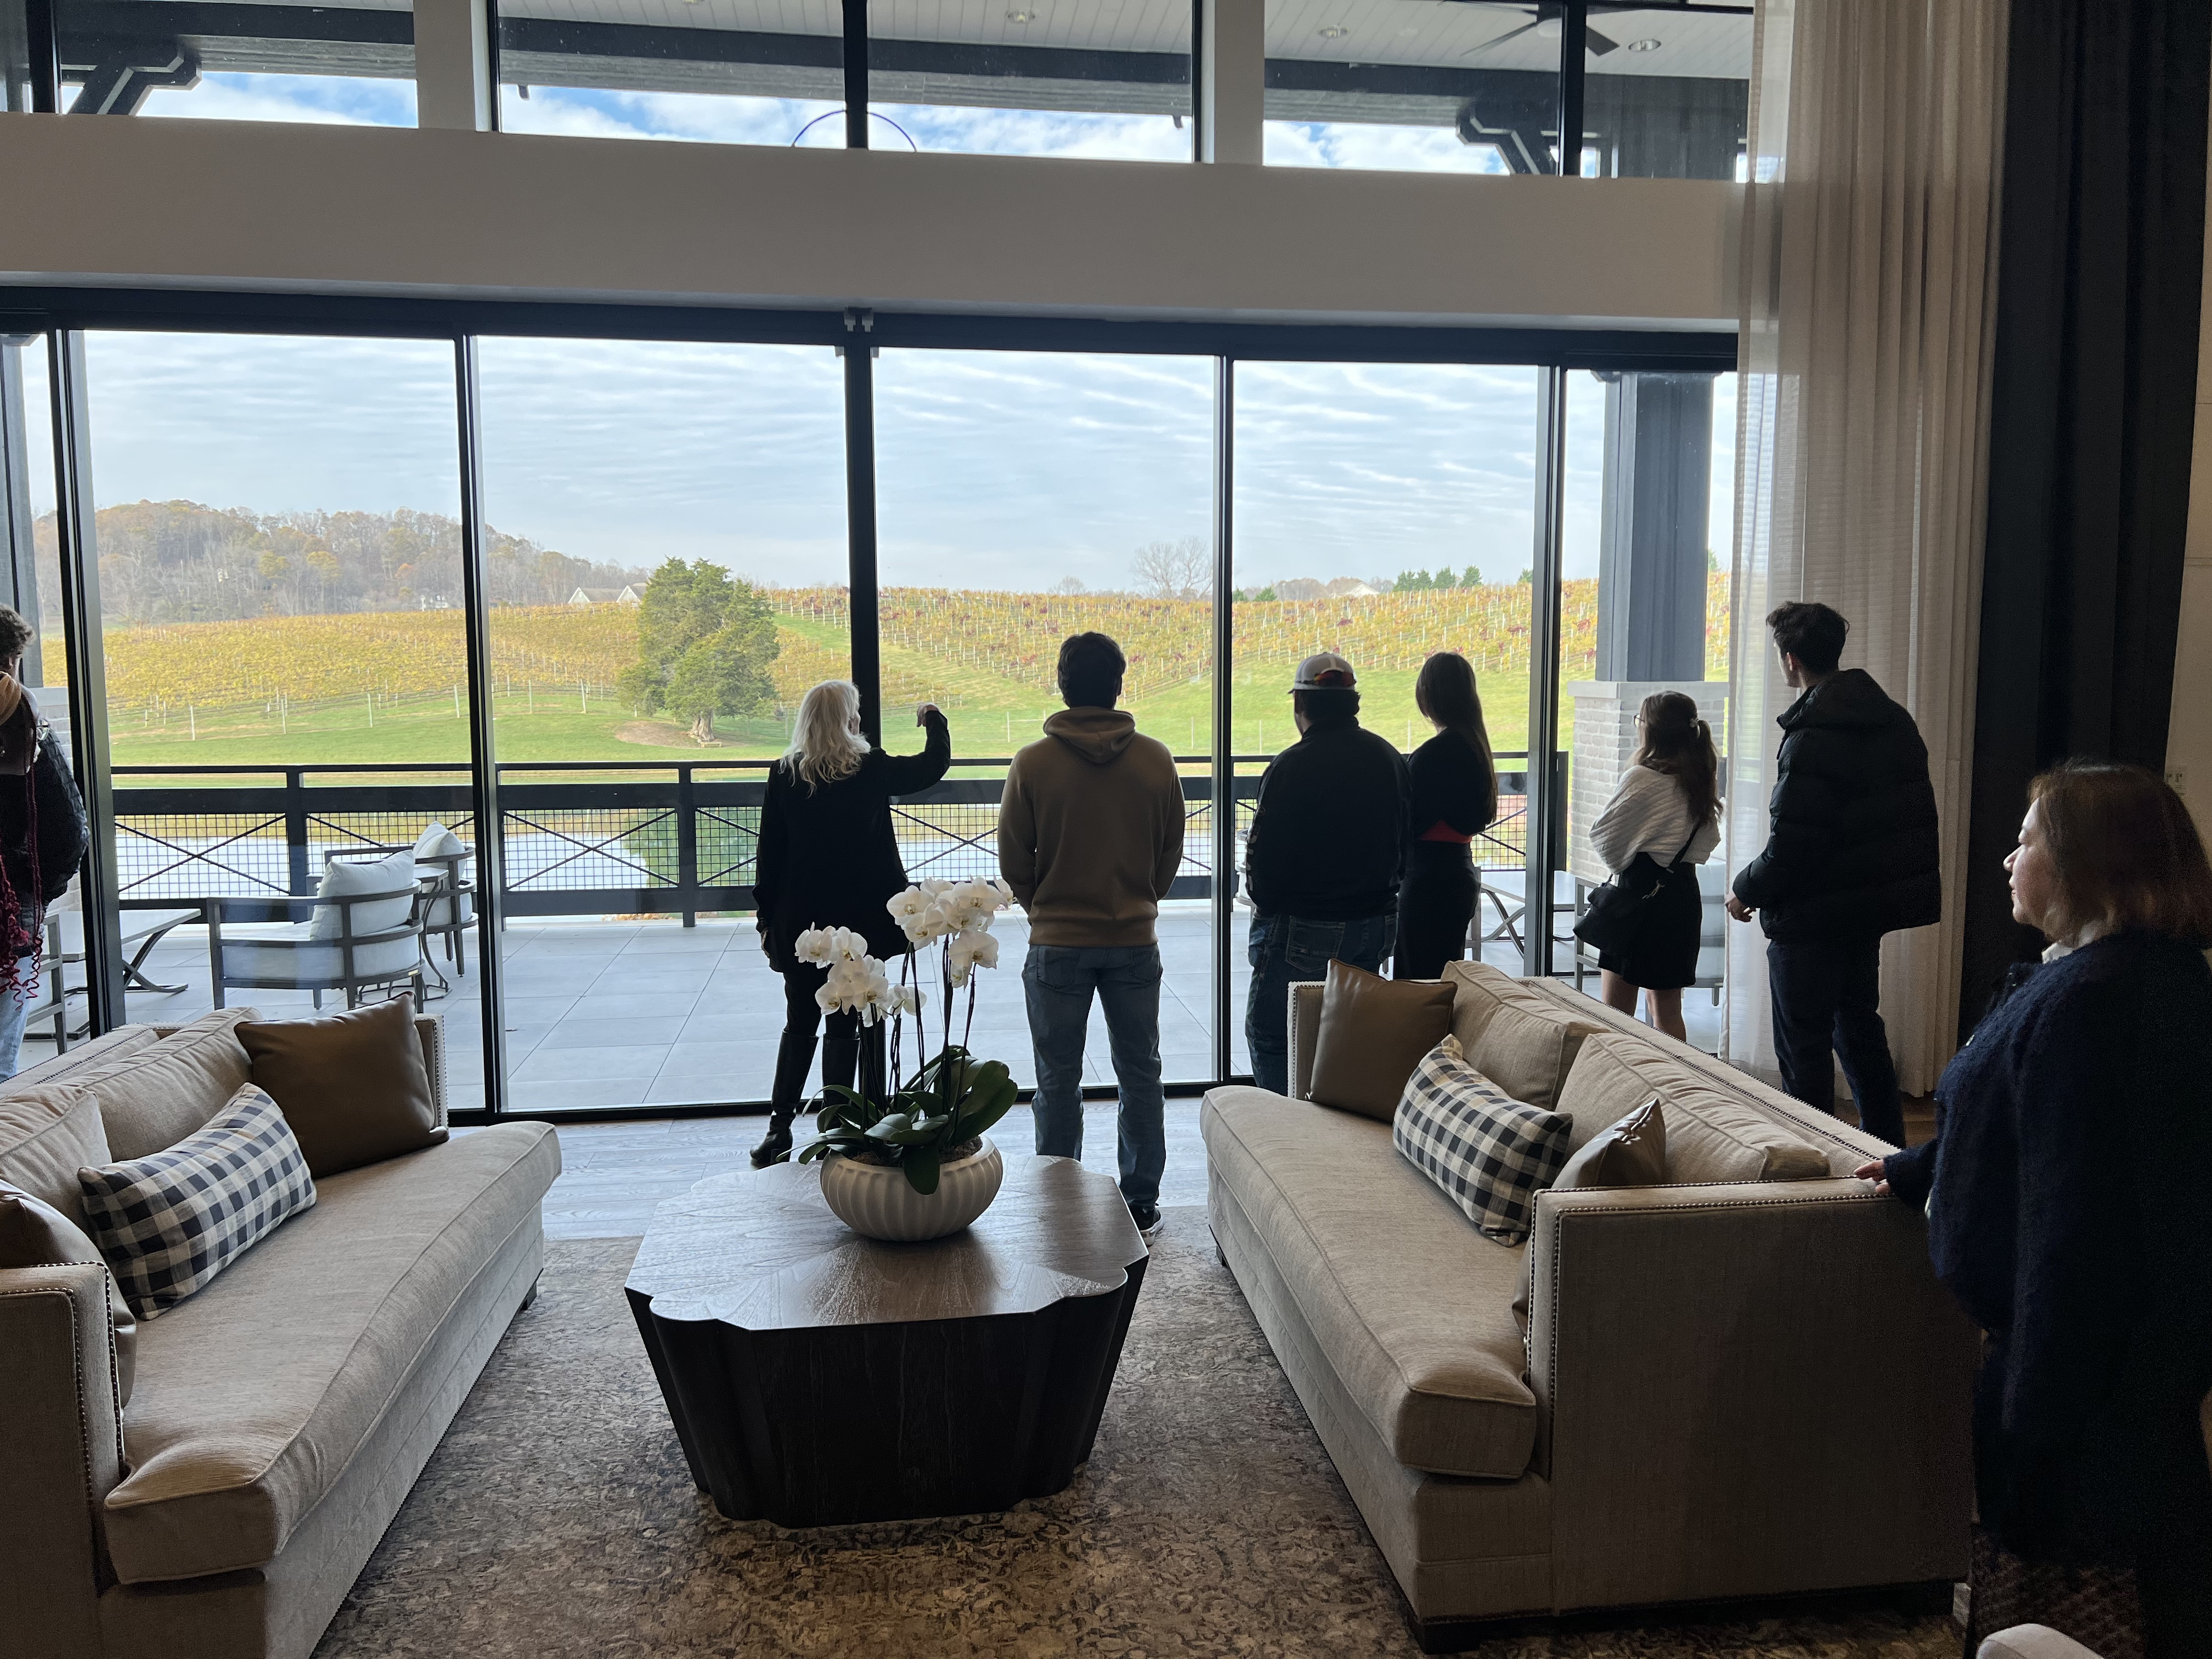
(2068, 1218)
(1853, 848)
(1328, 835)
(1452, 785)
(49, 793)
(829, 858)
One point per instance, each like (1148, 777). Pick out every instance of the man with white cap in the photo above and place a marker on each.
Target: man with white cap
(1324, 858)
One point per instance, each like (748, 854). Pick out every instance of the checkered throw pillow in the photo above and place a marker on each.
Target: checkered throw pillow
(169, 1222)
(1491, 1153)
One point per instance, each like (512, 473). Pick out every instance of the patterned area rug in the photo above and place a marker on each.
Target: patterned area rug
(558, 1519)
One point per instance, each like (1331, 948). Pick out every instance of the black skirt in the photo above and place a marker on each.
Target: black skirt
(1665, 955)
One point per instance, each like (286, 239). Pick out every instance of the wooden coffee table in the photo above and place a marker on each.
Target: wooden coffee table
(816, 1377)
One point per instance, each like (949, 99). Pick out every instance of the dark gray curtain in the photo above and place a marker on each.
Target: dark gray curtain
(2099, 262)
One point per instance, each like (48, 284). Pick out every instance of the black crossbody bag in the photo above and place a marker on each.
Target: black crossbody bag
(1614, 920)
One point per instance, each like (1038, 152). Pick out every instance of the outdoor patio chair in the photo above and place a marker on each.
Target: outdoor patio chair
(142, 930)
(441, 862)
(364, 932)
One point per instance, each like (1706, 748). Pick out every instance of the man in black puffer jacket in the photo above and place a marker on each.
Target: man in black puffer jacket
(1851, 855)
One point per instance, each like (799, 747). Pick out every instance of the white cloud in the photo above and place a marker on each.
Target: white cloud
(1370, 145)
(324, 99)
(691, 117)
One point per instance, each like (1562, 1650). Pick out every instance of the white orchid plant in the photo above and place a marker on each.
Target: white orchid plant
(919, 1122)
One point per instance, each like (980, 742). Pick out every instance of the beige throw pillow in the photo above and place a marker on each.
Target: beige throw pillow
(353, 1086)
(1631, 1153)
(1529, 1054)
(1373, 1033)
(152, 1099)
(1712, 1135)
(47, 1135)
(34, 1234)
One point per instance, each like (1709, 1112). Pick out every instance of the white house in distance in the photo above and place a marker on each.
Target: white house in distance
(606, 596)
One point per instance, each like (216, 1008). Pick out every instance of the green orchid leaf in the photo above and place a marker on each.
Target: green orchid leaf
(921, 1167)
(892, 1127)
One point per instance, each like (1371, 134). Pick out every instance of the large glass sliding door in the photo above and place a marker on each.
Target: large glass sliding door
(1024, 497)
(647, 504)
(1385, 511)
(277, 546)
(276, 526)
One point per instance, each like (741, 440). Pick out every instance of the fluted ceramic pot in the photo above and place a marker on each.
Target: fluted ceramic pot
(878, 1201)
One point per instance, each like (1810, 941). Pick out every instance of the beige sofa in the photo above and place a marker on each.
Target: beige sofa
(1727, 1387)
(281, 1413)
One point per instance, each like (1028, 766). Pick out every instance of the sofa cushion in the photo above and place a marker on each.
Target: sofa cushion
(47, 1135)
(1412, 1307)
(168, 1223)
(1712, 1133)
(1374, 1032)
(1528, 1051)
(253, 1395)
(98, 1051)
(151, 1098)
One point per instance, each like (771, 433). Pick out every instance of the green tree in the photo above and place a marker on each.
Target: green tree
(1411, 581)
(1472, 579)
(705, 641)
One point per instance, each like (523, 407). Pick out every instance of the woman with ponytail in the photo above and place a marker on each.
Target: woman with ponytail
(42, 838)
(1668, 811)
(1455, 798)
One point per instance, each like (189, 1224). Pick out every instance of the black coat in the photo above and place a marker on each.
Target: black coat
(2069, 1219)
(1328, 833)
(829, 858)
(1453, 784)
(1851, 850)
(49, 793)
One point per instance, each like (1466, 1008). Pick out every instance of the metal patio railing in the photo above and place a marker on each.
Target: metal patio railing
(588, 838)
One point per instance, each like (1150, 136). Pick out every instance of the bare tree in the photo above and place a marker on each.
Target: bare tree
(1069, 584)
(1181, 569)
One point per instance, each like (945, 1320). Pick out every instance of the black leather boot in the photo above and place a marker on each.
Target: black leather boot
(793, 1056)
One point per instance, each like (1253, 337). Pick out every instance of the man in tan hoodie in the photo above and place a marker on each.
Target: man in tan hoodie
(1089, 836)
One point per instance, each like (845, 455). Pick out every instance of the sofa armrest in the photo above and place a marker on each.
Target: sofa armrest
(64, 1440)
(1305, 1031)
(1746, 1388)
(430, 1030)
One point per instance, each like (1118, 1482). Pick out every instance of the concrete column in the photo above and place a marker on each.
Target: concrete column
(1654, 511)
(453, 65)
(1232, 89)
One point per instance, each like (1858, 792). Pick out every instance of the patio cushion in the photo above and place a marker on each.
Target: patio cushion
(254, 1395)
(345, 878)
(288, 957)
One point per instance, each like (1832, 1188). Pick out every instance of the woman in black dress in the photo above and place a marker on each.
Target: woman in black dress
(1666, 813)
(828, 859)
(2065, 1202)
(1455, 798)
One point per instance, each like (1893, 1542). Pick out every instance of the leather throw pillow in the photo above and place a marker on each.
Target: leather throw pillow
(353, 1086)
(1373, 1032)
(34, 1234)
(1631, 1153)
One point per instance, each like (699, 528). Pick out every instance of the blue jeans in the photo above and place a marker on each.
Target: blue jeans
(1284, 949)
(15, 1015)
(1058, 980)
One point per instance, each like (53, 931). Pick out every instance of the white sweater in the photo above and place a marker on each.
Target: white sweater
(1649, 813)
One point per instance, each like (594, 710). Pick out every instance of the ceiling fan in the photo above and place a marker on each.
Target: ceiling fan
(1551, 11)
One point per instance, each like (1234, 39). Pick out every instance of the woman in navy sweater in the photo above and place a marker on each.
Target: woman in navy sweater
(2066, 1211)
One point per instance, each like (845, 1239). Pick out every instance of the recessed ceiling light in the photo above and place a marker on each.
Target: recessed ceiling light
(1021, 17)
(1643, 45)
(1333, 32)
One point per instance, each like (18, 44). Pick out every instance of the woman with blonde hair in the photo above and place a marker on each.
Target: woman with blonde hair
(1661, 824)
(828, 859)
(2066, 1212)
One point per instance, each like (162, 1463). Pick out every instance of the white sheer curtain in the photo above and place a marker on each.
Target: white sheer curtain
(1869, 287)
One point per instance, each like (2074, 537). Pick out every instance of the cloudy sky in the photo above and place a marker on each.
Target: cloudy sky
(994, 469)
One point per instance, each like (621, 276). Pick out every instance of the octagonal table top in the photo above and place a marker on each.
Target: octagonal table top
(759, 1249)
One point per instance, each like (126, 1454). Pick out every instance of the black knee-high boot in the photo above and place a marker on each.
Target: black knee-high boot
(793, 1056)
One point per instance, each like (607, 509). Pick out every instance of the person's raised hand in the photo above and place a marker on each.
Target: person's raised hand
(1873, 1171)
(922, 712)
(1738, 909)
